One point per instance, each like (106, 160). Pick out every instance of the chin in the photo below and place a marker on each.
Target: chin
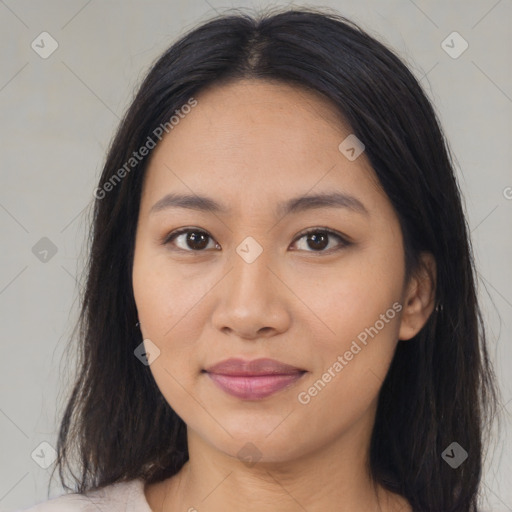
(261, 444)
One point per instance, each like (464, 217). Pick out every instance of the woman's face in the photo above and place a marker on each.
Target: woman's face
(247, 282)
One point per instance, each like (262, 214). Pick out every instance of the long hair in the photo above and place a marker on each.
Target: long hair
(440, 387)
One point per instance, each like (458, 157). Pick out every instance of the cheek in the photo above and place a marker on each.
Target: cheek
(363, 330)
(352, 297)
(359, 311)
(165, 305)
(164, 296)
(352, 363)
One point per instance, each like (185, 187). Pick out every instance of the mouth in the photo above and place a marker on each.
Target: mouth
(253, 380)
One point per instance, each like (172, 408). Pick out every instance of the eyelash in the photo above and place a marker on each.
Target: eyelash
(330, 233)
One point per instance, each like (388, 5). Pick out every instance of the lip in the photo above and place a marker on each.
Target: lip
(253, 380)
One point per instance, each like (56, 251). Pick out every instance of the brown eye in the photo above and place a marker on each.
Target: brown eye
(318, 240)
(192, 240)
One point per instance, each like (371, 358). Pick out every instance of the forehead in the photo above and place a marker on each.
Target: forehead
(241, 96)
(256, 140)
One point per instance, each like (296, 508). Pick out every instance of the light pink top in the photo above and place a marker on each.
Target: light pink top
(119, 497)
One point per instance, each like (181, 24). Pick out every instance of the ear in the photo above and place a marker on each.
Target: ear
(419, 298)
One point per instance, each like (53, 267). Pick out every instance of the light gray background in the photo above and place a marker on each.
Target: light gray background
(59, 114)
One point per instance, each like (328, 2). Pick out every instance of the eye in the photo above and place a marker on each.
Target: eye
(318, 240)
(195, 240)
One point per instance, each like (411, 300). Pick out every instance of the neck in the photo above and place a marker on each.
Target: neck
(334, 477)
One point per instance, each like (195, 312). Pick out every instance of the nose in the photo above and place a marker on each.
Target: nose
(252, 301)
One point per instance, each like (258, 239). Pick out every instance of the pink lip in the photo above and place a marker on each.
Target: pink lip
(253, 380)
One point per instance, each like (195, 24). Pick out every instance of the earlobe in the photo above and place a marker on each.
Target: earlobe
(419, 299)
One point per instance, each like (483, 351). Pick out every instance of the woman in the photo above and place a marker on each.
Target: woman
(280, 312)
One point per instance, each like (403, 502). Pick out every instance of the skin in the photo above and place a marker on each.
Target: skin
(248, 145)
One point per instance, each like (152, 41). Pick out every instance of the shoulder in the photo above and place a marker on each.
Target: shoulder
(125, 496)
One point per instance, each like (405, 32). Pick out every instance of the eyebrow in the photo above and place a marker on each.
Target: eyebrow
(294, 205)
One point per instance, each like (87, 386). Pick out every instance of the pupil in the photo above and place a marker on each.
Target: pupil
(315, 238)
(194, 237)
